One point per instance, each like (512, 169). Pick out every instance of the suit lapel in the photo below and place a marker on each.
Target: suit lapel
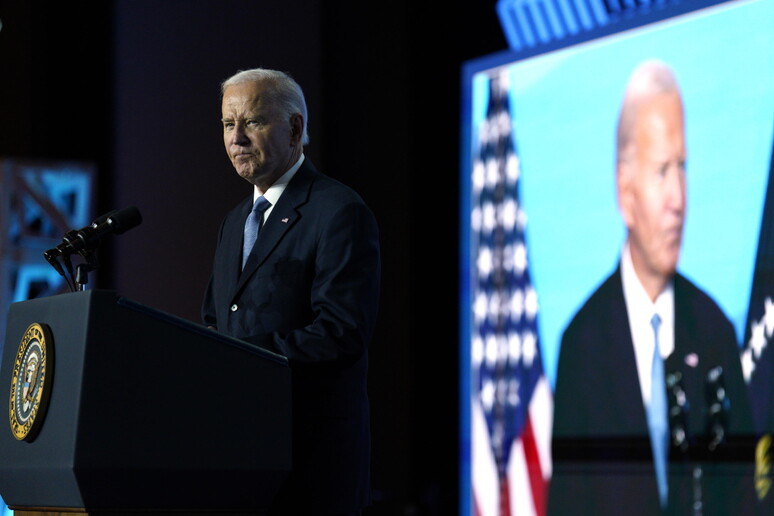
(232, 239)
(283, 217)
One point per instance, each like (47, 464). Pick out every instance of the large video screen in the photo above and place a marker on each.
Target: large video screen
(542, 227)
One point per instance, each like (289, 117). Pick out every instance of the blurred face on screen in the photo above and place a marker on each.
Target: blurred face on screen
(260, 139)
(651, 190)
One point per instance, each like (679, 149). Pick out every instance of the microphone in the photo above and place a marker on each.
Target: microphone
(678, 411)
(86, 239)
(717, 407)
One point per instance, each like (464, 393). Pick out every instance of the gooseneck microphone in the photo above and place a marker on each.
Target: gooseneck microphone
(84, 242)
(85, 239)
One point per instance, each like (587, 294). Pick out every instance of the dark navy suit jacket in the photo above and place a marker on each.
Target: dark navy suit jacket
(603, 462)
(310, 292)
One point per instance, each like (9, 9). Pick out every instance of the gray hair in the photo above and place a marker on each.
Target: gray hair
(284, 90)
(651, 78)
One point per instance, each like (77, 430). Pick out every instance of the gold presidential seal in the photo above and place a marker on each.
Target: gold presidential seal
(31, 382)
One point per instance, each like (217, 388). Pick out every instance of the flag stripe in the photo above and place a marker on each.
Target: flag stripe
(536, 480)
(486, 497)
(541, 417)
(522, 503)
(505, 497)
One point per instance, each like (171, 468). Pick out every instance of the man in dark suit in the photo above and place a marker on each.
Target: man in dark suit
(604, 451)
(308, 289)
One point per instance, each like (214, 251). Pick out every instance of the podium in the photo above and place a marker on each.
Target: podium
(146, 413)
(611, 475)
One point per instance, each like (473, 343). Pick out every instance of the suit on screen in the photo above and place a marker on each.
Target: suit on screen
(600, 434)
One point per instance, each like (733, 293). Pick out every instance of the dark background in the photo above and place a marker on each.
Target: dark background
(133, 87)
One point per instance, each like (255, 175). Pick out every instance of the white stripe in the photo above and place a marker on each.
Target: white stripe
(522, 503)
(541, 410)
(485, 484)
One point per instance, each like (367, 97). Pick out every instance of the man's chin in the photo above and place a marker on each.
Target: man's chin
(669, 267)
(245, 171)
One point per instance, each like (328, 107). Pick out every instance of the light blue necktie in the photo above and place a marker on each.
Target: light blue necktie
(253, 226)
(657, 417)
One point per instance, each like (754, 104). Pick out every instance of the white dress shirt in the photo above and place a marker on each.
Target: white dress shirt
(273, 193)
(640, 309)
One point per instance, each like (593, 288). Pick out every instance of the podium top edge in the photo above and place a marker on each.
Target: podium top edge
(111, 296)
(199, 329)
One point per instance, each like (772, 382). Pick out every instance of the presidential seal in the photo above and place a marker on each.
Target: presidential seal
(31, 382)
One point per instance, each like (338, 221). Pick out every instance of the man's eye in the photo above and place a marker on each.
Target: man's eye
(228, 125)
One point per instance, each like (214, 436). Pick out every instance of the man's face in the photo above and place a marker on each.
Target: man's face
(260, 140)
(652, 187)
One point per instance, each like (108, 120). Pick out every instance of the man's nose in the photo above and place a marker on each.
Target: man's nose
(239, 136)
(676, 188)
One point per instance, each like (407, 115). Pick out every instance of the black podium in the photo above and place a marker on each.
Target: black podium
(146, 412)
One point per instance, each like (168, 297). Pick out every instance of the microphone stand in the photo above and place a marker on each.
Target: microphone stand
(698, 503)
(717, 413)
(82, 270)
(69, 268)
(679, 407)
(78, 277)
(717, 404)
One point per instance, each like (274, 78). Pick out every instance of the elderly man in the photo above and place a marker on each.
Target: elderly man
(297, 272)
(644, 323)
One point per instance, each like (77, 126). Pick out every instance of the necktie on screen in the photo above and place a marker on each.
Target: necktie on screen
(253, 226)
(657, 416)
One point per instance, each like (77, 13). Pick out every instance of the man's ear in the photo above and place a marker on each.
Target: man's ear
(296, 128)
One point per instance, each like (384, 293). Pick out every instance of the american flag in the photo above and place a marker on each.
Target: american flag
(758, 351)
(758, 360)
(757, 354)
(512, 403)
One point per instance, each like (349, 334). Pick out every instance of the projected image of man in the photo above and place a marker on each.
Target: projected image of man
(645, 322)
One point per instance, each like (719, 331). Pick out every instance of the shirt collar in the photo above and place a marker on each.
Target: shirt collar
(273, 193)
(640, 307)
(640, 310)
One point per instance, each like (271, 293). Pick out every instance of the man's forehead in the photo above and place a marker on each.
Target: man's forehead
(239, 105)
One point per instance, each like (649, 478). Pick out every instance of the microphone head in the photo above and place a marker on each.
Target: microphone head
(102, 219)
(121, 221)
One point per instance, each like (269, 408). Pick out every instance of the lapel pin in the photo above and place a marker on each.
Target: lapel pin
(285, 220)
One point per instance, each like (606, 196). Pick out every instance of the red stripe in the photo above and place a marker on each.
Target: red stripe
(505, 497)
(535, 472)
